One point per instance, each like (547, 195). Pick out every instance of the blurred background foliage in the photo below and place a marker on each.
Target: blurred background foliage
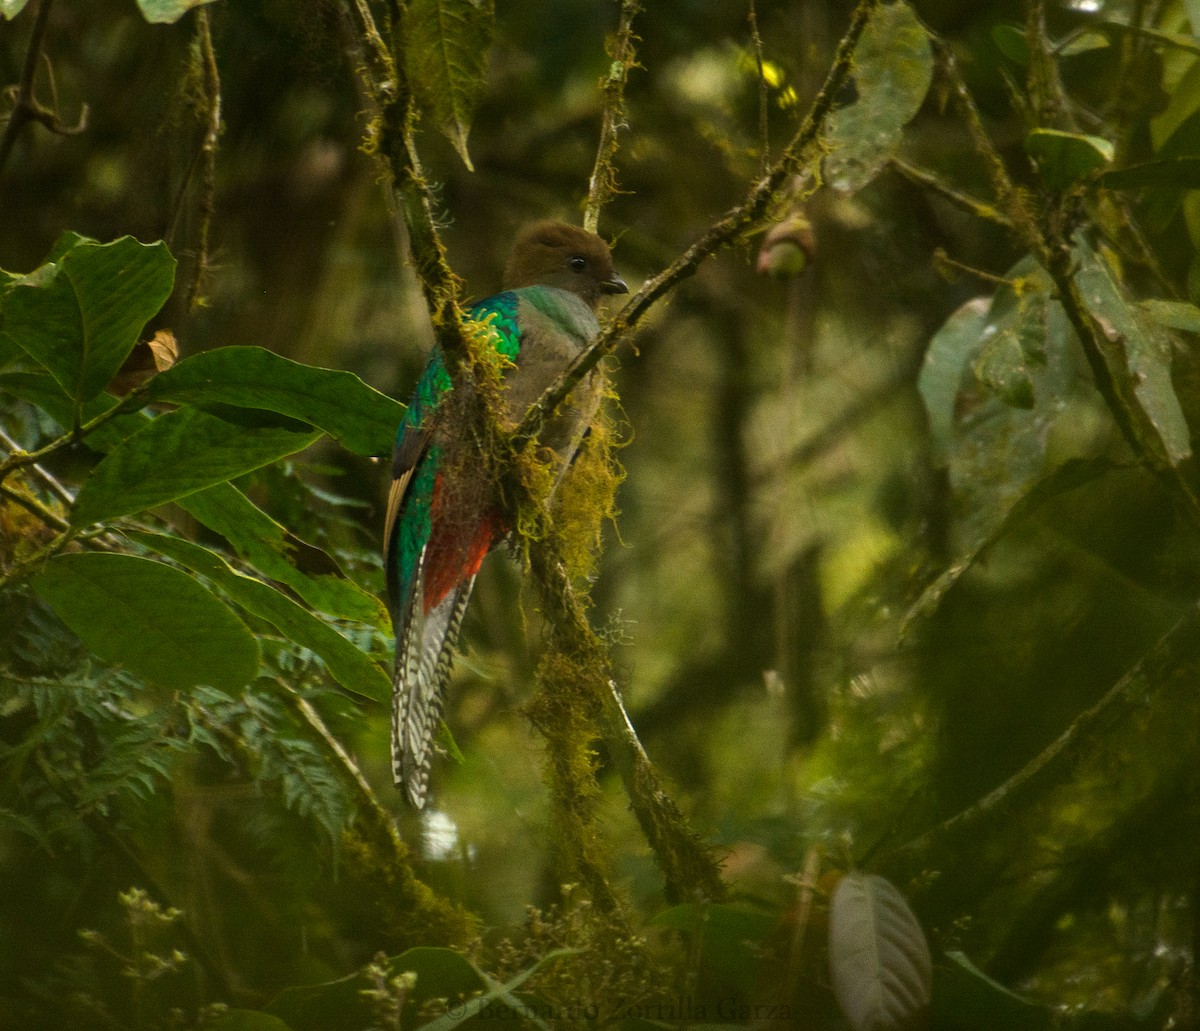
(867, 567)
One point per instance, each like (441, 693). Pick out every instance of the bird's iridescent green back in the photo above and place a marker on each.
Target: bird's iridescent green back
(413, 527)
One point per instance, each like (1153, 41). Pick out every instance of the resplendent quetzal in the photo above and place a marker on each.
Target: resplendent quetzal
(441, 516)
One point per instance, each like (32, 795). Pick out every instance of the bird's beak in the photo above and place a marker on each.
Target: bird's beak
(616, 285)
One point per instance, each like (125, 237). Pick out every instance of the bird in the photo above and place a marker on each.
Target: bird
(442, 518)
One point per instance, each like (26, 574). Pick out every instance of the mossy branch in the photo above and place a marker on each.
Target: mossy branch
(603, 182)
(580, 661)
(748, 216)
(394, 117)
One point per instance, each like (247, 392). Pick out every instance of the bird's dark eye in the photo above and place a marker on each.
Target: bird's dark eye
(578, 264)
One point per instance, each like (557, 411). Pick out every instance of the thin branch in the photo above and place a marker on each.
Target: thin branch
(1133, 692)
(36, 508)
(603, 182)
(19, 459)
(764, 136)
(26, 107)
(208, 149)
(386, 91)
(20, 570)
(931, 181)
(737, 222)
(51, 482)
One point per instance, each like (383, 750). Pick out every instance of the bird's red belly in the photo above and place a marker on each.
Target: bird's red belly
(460, 536)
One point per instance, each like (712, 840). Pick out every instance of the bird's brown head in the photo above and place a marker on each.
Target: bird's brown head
(565, 256)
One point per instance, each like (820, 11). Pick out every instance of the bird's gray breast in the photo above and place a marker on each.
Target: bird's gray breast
(556, 326)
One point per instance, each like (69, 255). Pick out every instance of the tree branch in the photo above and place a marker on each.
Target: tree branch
(737, 222)
(26, 107)
(602, 184)
(1131, 693)
(208, 149)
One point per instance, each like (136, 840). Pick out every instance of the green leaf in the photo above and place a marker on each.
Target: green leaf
(267, 545)
(1084, 42)
(1172, 314)
(1181, 173)
(1002, 369)
(79, 316)
(163, 12)
(1170, 39)
(361, 418)
(349, 666)
(11, 8)
(178, 454)
(1064, 158)
(1010, 41)
(893, 67)
(445, 50)
(983, 360)
(1140, 352)
(149, 618)
(879, 961)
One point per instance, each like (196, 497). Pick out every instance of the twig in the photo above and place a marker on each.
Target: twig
(931, 181)
(51, 482)
(603, 182)
(19, 570)
(35, 507)
(733, 225)
(19, 459)
(764, 136)
(26, 107)
(1179, 646)
(212, 135)
(386, 90)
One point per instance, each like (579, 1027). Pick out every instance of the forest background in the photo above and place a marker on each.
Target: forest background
(897, 586)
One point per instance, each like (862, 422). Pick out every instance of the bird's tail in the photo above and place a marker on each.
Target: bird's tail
(426, 650)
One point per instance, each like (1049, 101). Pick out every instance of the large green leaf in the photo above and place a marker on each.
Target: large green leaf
(80, 315)
(1015, 369)
(267, 545)
(1139, 352)
(358, 416)
(149, 618)
(163, 12)
(178, 454)
(348, 665)
(893, 67)
(445, 51)
(999, 382)
(947, 359)
(879, 961)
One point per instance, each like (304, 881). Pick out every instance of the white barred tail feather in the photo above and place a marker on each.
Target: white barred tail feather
(423, 663)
